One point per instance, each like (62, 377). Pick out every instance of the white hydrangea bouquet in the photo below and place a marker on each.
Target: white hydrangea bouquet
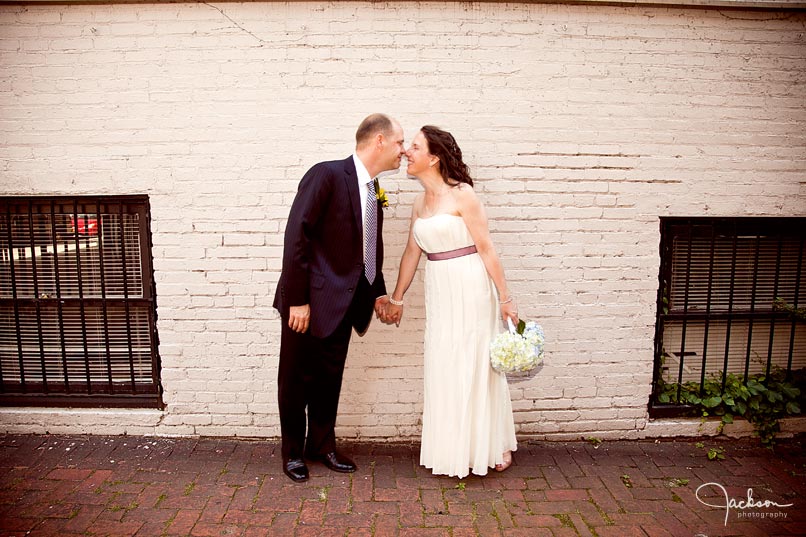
(518, 350)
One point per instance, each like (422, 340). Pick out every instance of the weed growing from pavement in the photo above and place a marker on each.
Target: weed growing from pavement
(595, 442)
(603, 514)
(675, 482)
(130, 507)
(565, 519)
(324, 492)
(713, 453)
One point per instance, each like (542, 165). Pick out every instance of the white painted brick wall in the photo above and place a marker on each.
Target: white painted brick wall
(582, 123)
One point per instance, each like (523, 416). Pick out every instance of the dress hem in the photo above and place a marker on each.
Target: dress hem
(462, 476)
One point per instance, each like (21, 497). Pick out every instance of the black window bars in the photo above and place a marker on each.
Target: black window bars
(730, 290)
(77, 303)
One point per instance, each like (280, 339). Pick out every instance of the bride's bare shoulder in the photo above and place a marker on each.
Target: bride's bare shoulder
(419, 203)
(464, 192)
(464, 187)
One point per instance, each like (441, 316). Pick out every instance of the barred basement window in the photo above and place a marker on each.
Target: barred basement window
(77, 307)
(730, 301)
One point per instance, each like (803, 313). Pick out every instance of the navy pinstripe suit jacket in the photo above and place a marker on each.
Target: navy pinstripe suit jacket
(323, 255)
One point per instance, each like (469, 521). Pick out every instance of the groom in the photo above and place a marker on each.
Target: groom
(330, 283)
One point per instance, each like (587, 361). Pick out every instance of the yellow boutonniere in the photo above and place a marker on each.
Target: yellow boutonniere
(380, 195)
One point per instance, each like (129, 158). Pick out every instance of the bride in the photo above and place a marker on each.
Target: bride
(467, 412)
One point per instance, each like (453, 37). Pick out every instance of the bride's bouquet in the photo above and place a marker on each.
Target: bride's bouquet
(519, 350)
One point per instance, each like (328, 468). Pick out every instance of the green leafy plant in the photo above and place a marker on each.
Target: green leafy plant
(595, 442)
(676, 482)
(762, 400)
(716, 454)
(779, 304)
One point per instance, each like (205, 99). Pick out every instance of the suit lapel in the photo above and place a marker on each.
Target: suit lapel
(352, 189)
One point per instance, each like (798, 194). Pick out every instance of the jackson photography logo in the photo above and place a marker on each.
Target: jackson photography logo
(746, 508)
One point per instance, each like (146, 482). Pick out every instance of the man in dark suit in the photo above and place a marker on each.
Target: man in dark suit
(330, 283)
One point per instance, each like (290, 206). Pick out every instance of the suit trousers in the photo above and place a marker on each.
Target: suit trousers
(309, 378)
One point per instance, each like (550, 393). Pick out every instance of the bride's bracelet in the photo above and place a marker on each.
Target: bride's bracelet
(395, 302)
(507, 301)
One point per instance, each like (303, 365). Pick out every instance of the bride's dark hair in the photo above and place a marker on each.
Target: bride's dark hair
(442, 144)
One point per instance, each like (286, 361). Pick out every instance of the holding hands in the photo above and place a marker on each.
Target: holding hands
(394, 311)
(389, 310)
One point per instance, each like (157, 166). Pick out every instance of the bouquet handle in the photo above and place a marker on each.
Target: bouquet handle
(512, 329)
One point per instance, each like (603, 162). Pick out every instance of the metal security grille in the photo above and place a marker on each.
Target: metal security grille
(730, 290)
(77, 308)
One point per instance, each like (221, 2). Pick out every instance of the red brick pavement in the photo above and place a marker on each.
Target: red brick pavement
(143, 486)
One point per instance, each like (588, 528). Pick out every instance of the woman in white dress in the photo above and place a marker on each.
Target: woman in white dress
(467, 412)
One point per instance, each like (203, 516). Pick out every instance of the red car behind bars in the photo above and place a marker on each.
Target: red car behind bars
(86, 225)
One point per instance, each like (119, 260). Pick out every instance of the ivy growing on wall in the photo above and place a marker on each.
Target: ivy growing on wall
(762, 400)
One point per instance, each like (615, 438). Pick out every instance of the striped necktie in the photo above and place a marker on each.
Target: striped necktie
(370, 232)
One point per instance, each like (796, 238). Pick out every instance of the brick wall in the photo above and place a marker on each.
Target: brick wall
(582, 124)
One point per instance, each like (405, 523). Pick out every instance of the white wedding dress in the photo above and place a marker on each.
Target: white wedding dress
(467, 413)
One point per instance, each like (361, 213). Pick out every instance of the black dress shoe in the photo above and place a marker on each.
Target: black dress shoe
(296, 470)
(335, 461)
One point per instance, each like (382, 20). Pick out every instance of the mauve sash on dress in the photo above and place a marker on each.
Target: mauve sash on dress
(459, 252)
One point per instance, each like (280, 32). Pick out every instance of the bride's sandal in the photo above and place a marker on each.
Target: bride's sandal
(507, 462)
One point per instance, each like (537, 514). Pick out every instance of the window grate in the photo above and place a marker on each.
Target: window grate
(722, 281)
(77, 307)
